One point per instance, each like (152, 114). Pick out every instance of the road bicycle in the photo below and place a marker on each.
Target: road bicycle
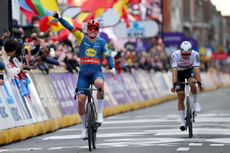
(190, 113)
(91, 118)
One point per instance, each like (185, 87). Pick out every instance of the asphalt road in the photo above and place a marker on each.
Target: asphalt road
(150, 130)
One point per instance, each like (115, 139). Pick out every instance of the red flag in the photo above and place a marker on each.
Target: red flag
(134, 1)
(44, 24)
(27, 14)
(125, 17)
(93, 5)
(91, 16)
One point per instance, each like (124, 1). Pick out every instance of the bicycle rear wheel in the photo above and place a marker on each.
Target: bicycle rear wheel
(89, 126)
(189, 117)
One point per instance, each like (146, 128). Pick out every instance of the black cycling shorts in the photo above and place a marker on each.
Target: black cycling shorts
(181, 75)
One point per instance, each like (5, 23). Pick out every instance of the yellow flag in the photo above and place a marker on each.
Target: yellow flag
(50, 5)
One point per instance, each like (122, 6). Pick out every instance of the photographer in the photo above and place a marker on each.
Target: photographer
(2, 68)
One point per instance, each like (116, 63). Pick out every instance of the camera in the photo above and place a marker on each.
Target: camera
(1, 76)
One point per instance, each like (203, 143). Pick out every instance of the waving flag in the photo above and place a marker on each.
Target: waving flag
(121, 7)
(34, 7)
(48, 22)
(77, 3)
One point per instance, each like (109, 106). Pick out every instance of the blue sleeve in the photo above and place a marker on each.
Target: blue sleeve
(110, 61)
(66, 24)
(107, 54)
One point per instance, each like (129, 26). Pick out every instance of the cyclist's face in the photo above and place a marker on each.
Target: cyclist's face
(185, 55)
(92, 31)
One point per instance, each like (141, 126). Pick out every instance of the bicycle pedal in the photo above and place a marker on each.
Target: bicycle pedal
(98, 124)
(85, 139)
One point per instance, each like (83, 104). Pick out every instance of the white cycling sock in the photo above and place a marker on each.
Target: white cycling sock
(195, 98)
(100, 105)
(182, 115)
(83, 120)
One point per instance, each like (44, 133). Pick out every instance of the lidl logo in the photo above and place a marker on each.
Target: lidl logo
(91, 52)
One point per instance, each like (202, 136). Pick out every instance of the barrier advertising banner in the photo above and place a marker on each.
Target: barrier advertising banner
(130, 85)
(47, 95)
(61, 83)
(26, 114)
(11, 102)
(144, 84)
(6, 119)
(117, 89)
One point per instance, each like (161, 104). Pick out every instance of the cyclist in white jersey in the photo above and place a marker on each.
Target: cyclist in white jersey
(185, 64)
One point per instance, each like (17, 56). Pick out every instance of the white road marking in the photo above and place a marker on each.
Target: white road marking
(146, 140)
(63, 147)
(220, 140)
(195, 144)
(20, 149)
(153, 129)
(183, 149)
(216, 145)
(104, 135)
(125, 127)
(137, 121)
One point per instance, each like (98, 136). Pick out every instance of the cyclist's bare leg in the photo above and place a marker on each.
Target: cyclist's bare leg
(181, 109)
(194, 91)
(81, 98)
(193, 85)
(99, 84)
(181, 96)
(81, 104)
(81, 108)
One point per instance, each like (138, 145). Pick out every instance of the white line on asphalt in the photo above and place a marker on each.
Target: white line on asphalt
(216, 145)
(220, 140)
(125, 127)
(195, 144)
(183, 149)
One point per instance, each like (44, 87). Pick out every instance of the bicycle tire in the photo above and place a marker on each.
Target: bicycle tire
(189, 118)
(94, 126)
(89, 125)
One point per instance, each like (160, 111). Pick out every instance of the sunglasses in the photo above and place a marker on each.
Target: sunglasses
(91, 28)
(185, 54)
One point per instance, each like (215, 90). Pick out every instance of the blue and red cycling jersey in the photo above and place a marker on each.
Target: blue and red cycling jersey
(91, 57)
(91, 53)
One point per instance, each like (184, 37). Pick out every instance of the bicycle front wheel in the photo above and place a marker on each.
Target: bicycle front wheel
(189, 117)
(89, 126)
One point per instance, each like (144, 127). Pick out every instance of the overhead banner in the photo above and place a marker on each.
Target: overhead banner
(141, 29)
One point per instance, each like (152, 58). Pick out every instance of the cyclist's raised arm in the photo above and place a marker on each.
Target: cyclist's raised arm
(78, 34)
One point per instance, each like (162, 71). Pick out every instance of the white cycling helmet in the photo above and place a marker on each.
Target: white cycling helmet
(186, 48)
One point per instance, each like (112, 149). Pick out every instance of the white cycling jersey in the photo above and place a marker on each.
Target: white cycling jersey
(182, 64)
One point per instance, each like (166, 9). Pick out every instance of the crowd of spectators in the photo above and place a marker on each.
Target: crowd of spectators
(43, 51)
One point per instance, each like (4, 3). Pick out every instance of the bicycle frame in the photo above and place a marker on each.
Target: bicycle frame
(91, 116)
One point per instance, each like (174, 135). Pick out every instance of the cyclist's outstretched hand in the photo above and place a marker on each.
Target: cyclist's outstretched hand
(56, 15)
(173, 90)
(113, 72)
(201, 88)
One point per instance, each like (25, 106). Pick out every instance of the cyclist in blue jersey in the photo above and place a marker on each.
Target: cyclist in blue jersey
(92, 50)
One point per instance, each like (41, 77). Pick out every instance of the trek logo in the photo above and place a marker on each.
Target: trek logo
(91, 52)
